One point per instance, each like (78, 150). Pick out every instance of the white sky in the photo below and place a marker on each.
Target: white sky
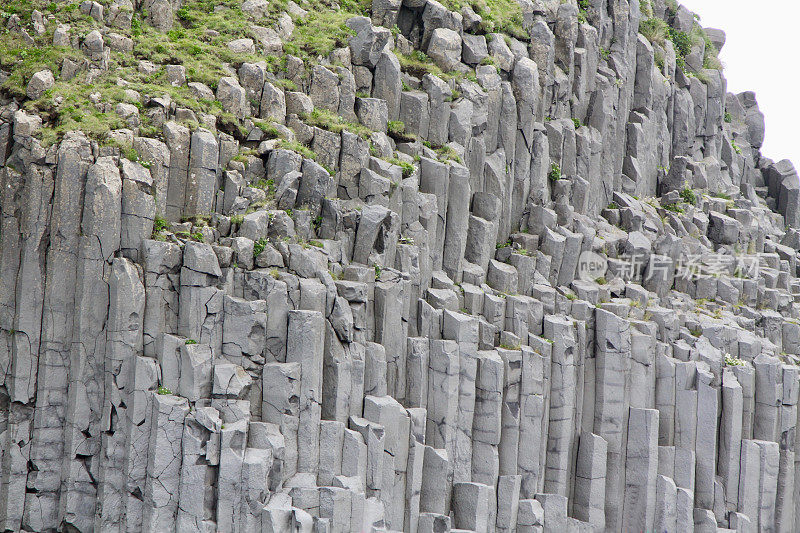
(761, 55)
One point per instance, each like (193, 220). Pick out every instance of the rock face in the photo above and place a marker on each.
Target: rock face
(554, 290)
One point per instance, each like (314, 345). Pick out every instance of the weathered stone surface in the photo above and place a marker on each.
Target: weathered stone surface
(445, 48)
(39, 83)
(363, 297)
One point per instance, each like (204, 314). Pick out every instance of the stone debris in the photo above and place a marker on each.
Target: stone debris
(555, 289)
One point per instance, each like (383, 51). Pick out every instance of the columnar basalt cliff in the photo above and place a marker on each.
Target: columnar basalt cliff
(392, 266)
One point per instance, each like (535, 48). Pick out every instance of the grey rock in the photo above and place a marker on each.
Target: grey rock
(474, 49)
(324, 88)
(232, 96)
(39, 83)
(368, 42)
(387, 84)
(445, 48)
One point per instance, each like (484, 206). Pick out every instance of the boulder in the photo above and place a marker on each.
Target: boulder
(39, 83)
(368, 42)
(445, 49)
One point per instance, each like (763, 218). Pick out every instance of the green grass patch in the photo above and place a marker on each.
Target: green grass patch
(328, 120)
(499, 16)
(555, 172)
(689, 196)
(301, 149)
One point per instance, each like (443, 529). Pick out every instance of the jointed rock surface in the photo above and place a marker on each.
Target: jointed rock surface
(402, 266)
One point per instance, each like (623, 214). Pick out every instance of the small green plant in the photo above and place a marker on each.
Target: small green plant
(448, 153)
(577, 123)
(555, 172)
(613, 205)
(267, 185)
(675, 208)
(408, 168)
(696, 332)
(736, 147)
(301, 149)
(396, 126)
(728, 117)
(237, 219)
(259, 246)
(160, 225)
(397, 130)
(689, 196)
(190, 341)
(733, 361)
(330, 121)
(507, 346)
(377, 272)
(655, 30)
(163, 391)
(601, 280)
(130, 153)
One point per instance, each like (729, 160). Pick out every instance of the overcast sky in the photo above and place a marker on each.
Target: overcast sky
(762, 54)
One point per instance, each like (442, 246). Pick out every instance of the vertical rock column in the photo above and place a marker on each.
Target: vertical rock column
(391, 327)
(464, 330)
(125, 436)
(164, 464)
(434, 179)
(730, 438)
(590, 481)
(641, 471)
(443, 380)
(162, 264)
(561, 429)
(22, 292)
(281, 406)
(47, 450)
(387, 412)
(486, 428)
(201, 184)
(200, 457)
(455, 236)
(533, 415)
(178, 139)
(100, 239)
(306, 345)
(612, 360)
(201, 303)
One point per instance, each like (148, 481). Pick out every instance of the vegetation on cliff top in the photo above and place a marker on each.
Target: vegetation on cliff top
(659, 31)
